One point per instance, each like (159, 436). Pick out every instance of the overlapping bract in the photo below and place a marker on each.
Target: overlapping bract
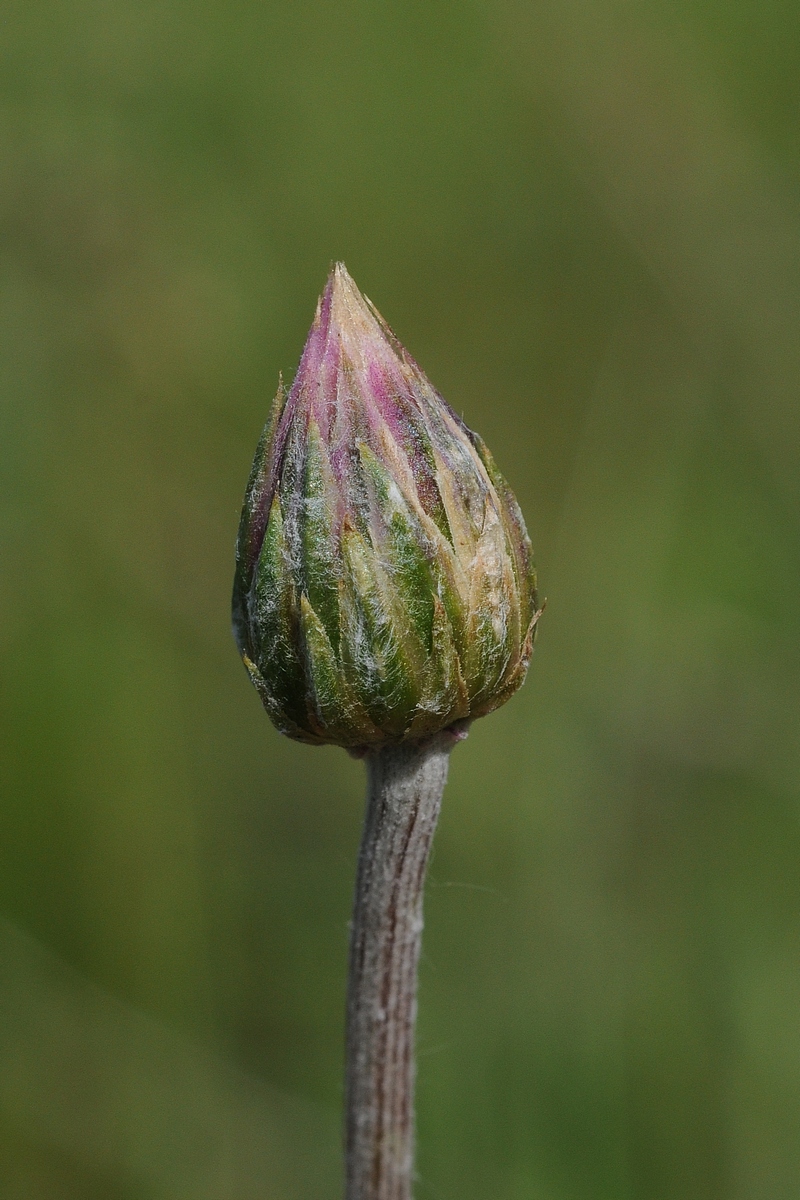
(384, 584)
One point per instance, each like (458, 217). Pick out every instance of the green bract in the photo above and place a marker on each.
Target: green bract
(384, 583)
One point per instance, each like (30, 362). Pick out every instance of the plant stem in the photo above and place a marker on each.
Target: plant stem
(404, 795)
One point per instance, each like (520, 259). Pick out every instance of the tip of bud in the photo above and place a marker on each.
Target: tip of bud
(340, 280)
(345, 313)
(341, 298)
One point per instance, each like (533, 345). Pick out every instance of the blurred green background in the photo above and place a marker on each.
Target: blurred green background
(583, 219)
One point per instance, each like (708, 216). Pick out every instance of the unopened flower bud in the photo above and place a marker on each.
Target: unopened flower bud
(384, 583)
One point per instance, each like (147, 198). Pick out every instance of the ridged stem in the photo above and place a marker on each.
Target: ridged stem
(404, 794)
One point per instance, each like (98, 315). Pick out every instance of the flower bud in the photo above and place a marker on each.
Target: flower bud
(384, 583)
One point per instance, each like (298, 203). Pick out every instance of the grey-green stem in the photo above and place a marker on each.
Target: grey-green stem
(404, 794)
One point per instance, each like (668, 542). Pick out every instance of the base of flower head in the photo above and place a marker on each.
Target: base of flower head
(455, 733)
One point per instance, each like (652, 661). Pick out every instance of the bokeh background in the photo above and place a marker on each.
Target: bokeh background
(583, 219)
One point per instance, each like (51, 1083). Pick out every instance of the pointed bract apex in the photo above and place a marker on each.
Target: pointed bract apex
(385, 587)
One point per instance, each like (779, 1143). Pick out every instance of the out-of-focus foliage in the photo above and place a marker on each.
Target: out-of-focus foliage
(583, 220)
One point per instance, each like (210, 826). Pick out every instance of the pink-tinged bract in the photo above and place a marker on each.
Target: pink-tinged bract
(385, 588)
